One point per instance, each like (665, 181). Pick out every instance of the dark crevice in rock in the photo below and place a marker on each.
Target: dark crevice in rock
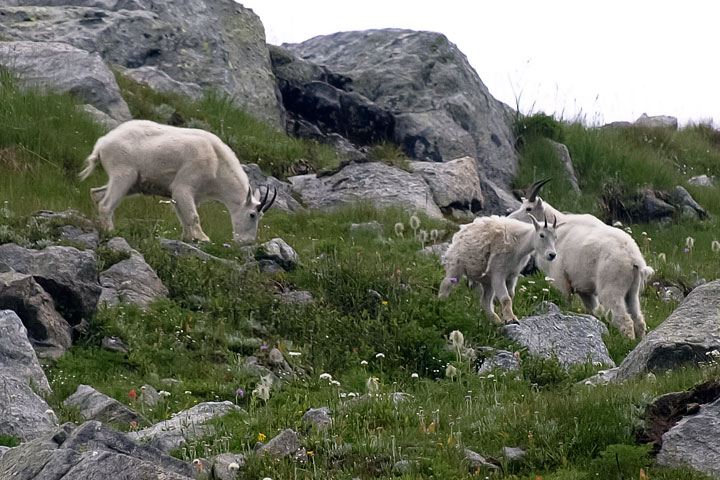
(667, 410)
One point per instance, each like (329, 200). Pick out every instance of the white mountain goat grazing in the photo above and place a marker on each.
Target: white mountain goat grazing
(490, 253)
(602, 264)
(186, 164)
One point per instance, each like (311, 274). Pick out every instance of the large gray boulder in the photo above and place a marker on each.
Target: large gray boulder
(185, 426)
(657, 121)
(48, 332)
(284, 199)
(68, 69)
(376, 182)
(693, 441)
(313, 95)
(95, 405)
(23, 413)
(441, 107)
(130, 281)
(90, 451)
(455, 185)
(685, 337)
(216, 44)
(69, 275)
(573, 339)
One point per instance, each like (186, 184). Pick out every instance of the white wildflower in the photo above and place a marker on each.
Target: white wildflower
(414, 375)
(379, 355)
(450, 372)
(234, 466)
(294, 354)
(399, 229)
(414, 222)
(364, 362)
(372, 385)
(457, 339)
(690, 242)
(325, 376)
(715, 246)
(661, 257)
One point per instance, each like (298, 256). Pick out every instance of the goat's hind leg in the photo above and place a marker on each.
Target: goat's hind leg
(633, 303)
(97, 194)
(117, 187)
(613, 301)
(487, 296)
(499, 285)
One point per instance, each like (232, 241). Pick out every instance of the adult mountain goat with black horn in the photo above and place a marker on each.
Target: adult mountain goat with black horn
(602, 264)
(490, 253)
(186, 164)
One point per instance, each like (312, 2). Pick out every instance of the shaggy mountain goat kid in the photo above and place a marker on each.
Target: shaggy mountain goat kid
(602, 264)
(490, 252)
(186, 164)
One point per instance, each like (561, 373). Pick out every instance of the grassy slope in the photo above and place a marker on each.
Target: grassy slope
(215, 318)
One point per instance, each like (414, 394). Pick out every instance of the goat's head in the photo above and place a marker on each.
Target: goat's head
(246, 217)
(532, 204)
(544, 239)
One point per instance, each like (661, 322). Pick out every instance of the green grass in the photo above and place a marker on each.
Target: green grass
(376, 312)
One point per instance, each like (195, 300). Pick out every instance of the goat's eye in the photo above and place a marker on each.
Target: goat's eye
(252, 215)
(529, 209)
(542, 235)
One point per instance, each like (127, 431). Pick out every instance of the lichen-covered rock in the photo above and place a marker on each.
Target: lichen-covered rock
(69, 275)
(217, 44)
(90, 451)
(94, 405)
(455, 185)
(441, 107)
(49, 333)
(184, 426)
(573, 339)
(378, 183)
(685, 337)
(64, 68)
(130, 281)
(23, 413)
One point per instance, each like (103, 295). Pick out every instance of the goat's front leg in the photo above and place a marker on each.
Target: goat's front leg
(187, 213)
(500, 287)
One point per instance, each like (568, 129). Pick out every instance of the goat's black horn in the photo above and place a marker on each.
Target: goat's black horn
(266, 206)
(535, 188)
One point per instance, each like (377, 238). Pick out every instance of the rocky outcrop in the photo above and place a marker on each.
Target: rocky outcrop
(66, 69)
(658, 121)
(563, 154)
(573, 339)
(95, 405)
(47, 331)
(685, 337)
(455, 185)
(90, 451)
(441, 107)
(69, 275)
(317, 104)
(23, 413)
(215, 44)
(375, 182)
(184, 427)
(130, 281)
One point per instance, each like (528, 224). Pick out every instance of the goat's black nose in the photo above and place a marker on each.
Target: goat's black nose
(552, 255)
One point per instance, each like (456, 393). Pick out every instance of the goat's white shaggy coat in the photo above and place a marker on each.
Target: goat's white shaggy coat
(602, 264)
(490, 253)
(189, 165)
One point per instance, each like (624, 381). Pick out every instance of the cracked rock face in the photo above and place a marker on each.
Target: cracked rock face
(215, 44)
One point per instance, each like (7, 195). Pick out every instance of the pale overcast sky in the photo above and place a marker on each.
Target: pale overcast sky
(609, 60)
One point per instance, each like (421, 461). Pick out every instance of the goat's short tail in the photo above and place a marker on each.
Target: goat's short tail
(641, 274)
(90, 163)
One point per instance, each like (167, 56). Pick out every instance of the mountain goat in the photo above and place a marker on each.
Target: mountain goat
(602, 264)
(186, 164)
(490, 252)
